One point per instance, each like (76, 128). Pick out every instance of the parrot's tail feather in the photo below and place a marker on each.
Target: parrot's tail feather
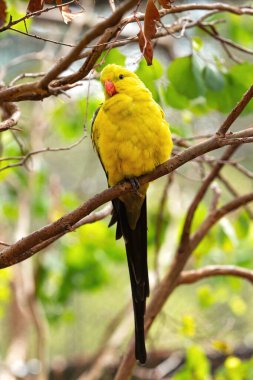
(136, 248)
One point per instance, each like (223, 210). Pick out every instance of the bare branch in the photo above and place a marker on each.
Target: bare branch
(39, 89)
(24, 248)
(209, 7)
(224, 40)
(236, 112)
(112, 5)
(22, 160)
(89, 36)
(231, 189)
(200, 194)
(216, 215)
(41, 38)
(192, 276)
(26, 75)
(30, 15)
(11, 116)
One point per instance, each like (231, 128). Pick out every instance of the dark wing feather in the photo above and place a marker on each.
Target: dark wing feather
(136, 249)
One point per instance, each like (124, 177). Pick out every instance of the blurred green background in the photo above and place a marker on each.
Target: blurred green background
(68, 300)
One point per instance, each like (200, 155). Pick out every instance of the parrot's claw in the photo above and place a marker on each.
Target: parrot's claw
(134, 183)
(135, 186)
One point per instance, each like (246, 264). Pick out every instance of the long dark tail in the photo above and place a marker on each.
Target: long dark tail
(136, 249)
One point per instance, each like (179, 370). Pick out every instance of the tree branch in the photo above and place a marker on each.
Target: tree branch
(200, 194)
(11, 116)
(216, 215)
(39, 89)
(192, 276)
(170, 282)
(107, 28)
(25, 247)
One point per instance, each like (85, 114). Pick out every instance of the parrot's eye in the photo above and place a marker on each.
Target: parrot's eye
(121, 76)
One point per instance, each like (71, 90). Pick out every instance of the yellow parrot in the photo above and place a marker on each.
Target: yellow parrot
(131, 137)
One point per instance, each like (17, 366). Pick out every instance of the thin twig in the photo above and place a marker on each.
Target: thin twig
(232, 191)
(23, 159)
(112, 5)
(26, 75)
(224, 40)
(12, 116)
(41, 38)
(30, 15)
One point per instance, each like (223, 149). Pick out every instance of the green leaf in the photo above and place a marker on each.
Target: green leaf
(196, 366)
(155, 71)
(242, 225)
(149, 75)
(205, 296)
(188, 326)
(213, 77)
(240, 29)
(237, 82)
(243, 73)
(13, 12)
(114, 56)
(197, 43)
(185, 74)
(237, 305)
(174, 99)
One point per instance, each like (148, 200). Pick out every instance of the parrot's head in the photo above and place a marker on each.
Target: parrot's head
(117, 79)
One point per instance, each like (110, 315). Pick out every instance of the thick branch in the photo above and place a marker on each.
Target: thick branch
(24, 248)
(39, 90)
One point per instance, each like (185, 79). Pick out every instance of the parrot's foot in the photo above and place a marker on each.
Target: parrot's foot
(134, 183)
(136, 186)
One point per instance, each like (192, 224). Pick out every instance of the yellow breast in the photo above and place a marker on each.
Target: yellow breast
(131, 136)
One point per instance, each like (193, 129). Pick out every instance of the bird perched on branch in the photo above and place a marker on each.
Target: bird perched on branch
(131, 137)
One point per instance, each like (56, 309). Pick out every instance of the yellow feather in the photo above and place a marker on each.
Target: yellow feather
(130, 132)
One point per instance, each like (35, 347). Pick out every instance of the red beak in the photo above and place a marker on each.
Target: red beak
(110, 88)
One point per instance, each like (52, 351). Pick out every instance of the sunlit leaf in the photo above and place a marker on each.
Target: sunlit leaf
(237, 305)
(188, 325)
(197, 43)
(222, 346)
(205, 296)
(196, 366)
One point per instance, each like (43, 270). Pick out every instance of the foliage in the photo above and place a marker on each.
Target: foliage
(196, 367)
